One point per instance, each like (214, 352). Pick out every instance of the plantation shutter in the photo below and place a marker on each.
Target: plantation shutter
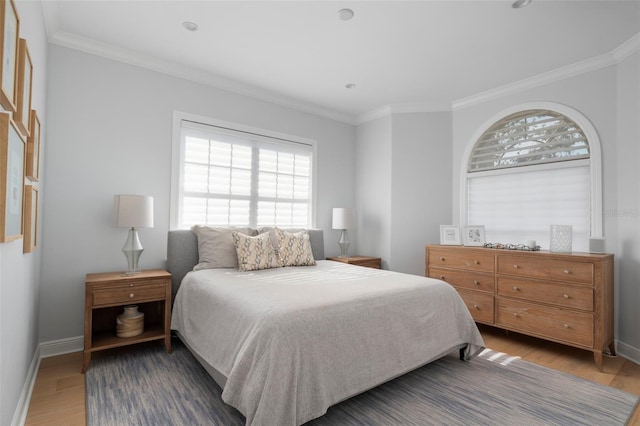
(528, 171)
(234, 178)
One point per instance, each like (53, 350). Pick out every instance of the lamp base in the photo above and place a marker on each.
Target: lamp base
(344, 244)
(132, 250)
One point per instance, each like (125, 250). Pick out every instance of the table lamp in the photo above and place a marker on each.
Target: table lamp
(133, 211)
(343, 219)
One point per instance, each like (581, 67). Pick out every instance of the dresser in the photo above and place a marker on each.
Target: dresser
(562, 297)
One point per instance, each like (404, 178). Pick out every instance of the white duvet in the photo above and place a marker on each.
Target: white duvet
(294, 341)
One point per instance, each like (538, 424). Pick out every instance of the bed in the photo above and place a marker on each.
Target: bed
(287, 343)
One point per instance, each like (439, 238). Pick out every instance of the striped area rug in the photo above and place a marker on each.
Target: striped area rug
(150, 387)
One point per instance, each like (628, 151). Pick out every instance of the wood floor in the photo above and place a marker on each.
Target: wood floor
(59, 396)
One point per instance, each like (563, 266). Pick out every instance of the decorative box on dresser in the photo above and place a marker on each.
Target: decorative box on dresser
(562, 297)
(107, 293)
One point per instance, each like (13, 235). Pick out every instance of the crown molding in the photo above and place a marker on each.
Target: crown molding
(373, 115)
(130, 57)
(105, 50)
(403, 108)
(593, 64)
(627, 48)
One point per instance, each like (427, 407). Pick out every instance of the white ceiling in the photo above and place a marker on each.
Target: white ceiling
(411, 54)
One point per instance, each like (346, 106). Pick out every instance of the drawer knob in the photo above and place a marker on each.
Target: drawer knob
(442, 277)
(131, 285)
(131, 296)
(476, 282)
(566, 325)
(442, 258)
(515, 315)
(515, 266)
(515, 288)
(566, 296)
(476, 307)
(566, 271)
(476, 262)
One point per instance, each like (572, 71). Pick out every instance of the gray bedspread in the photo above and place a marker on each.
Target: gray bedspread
(294, 341)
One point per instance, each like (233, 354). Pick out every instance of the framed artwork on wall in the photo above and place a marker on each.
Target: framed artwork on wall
(33, 148)
(30, 240)
(450, 235)
(12, 155)
(474, 235)
(9, 43)
(23, 88)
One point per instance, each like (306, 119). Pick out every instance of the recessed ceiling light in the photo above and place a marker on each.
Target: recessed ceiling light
(350, 86)
(519, 4)
(345, 14)
(190, 26)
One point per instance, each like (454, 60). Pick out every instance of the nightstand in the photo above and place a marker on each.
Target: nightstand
(369, 262)
(105, 296)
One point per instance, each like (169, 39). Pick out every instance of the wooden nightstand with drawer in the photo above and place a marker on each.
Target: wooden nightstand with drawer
(105, 296)
(367, 261)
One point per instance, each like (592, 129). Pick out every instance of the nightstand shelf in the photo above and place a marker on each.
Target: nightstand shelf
(105, 296)
(108, 340)
(367, 261)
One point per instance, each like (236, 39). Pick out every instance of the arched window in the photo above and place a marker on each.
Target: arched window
(530, 169)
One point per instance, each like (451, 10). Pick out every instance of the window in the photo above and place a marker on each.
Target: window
(529, 170)
(230, 177)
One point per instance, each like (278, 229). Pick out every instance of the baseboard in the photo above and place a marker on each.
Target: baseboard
(20, 415)
(61, 346)
(628, 352)
(44, 350)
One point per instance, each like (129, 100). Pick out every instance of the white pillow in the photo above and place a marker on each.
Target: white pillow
(216, 248)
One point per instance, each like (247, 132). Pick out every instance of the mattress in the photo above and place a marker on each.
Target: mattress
(293, 341)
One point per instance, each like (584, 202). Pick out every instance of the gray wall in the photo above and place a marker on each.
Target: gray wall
(373, 195)
(110, 132)
(608, 98)
(20, 273)
(402, 165)
(420, 192)
(627, 213)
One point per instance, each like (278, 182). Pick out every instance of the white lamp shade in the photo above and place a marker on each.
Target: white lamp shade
(133, 211)
(343, 218)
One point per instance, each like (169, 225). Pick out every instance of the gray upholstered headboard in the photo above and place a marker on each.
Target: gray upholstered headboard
(182, 252)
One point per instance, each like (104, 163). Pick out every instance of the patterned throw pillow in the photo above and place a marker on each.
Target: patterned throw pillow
(295, 249)
(255, 252)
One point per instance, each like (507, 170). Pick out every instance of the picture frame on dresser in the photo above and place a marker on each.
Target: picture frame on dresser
(9, 43)
(450, 235)
(23, 88)
(30, 240)
(12, 154)
(474, 236)
(33, 148)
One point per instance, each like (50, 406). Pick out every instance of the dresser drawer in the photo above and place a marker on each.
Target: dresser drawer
(545, 321)
(541, 267)
(480, 305)
(568, 296)
(471, 260)
(460, 279)
(130, 293)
